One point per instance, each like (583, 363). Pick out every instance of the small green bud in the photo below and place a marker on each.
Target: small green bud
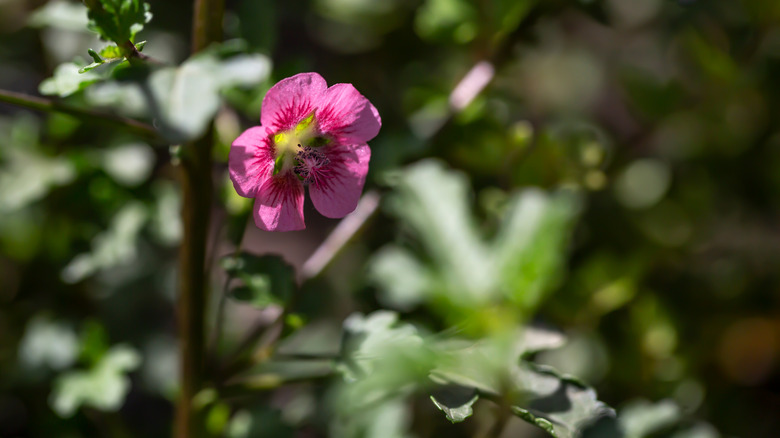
(95, 56)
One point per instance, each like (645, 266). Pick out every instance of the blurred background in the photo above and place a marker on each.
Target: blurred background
(662, 114)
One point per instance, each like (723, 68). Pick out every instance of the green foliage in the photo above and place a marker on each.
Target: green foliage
(385, 361)
(463, 269)
(186, 98)
(541, 423)
(48, 343)
(266, 279)
(461, 21)
(68, 79)
(115, 246)
(568, 404)
(641, 418)
(650, 123)
(183, 100)
(455, 402)
(62, 14)
(104, 386)
(27, 173)
(107, 55)
(118, 20)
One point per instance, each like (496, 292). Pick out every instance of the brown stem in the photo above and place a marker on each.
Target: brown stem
(83, 114)
(197, 187)
(207, 23)
(193, 279)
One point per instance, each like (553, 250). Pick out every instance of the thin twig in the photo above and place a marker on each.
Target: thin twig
(340, 236)
(84, 114)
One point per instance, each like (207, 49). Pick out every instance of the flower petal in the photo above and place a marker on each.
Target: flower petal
(291, 100)
(279, 204)
(344, 113)
(338, 195)
(250, 161)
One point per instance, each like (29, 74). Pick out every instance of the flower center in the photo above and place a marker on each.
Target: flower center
(296, 149)
(311, 164)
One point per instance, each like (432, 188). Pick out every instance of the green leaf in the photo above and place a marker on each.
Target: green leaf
(384, 361)
(68, 79)
(642, 418)
(48, 343)
(529, 249)
(455, 401)
(433, 203)
(455, 20)
(102, 387)
(117, 245)
(368, 339)
(60, 14)
(27, 176)
(117, 20)
(111, 52)
(507, 15)
(186, 98)
(94, 55)
(266, 279)
(541, 423)
(567, 403)
(89, 67)
(541, 395)
(462, 270)
(402, 292)
(107, 55)
(183, 100)
(535, 339)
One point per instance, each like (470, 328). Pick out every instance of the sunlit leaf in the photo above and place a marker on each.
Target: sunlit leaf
(61, 14)
(112, 247)
(68, 79)
(455, 401)
(27, 176)
(567, 403)
(463, 268)
(529, 249)
(102, 387)
(186, 98)
(48, 343)
(642, 418)
(541, 423)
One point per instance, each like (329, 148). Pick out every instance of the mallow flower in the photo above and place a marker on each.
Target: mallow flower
(309, 135)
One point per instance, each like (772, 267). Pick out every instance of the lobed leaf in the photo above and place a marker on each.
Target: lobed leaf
(117, 20)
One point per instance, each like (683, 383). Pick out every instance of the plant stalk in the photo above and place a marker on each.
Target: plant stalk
(86, 115)
(197, 186)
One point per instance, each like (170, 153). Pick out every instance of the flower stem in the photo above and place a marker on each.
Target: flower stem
(83, 114)
(196, 180)
(207, 23)
(196, 208)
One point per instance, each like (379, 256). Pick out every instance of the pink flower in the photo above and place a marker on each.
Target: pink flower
(310, 134)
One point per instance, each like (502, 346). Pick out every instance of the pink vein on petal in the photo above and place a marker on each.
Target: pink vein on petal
(291, 100)
(346, 114)
(250, 161)
(337, 195)
(279, 204)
